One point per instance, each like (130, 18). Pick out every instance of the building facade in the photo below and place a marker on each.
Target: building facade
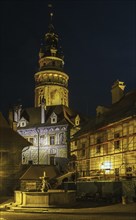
(107, 144)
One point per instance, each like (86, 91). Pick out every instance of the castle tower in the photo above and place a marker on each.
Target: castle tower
(51, 82)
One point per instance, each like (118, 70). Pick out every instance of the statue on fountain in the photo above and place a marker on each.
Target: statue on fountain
(45, 184)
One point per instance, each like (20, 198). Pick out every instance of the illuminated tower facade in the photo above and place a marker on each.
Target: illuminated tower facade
(51, 82)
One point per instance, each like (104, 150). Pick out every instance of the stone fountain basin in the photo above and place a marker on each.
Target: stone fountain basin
(52, 198)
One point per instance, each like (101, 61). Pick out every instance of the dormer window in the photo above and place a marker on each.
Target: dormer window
(22, 122)
(77, 120)
(53, 118)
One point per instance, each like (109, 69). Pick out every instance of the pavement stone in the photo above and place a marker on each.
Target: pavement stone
(79, 208)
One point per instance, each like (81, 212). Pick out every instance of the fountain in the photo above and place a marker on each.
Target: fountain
(45, 185)
(47, 197)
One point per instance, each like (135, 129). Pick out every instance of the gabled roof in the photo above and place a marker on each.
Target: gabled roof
(9, 138)
(36, 171)
(64, 114)
(124, 108)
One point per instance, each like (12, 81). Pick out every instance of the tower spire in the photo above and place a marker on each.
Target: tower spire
(51, 12)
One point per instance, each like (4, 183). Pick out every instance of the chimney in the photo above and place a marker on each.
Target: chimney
(117, 91)
(43, 108)
(17, 112)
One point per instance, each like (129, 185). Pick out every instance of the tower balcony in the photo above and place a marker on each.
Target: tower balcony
(43, 83)
(57, 68)
(51, 77)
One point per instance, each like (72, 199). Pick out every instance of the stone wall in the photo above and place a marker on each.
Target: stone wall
(107, 190)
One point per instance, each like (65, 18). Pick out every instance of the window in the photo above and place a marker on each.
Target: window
(62, 139)
(128, 169)
(52, 140)
(22, 123)
(98, 149)
(53, 118)
(116, 135)
(77, 120)
(53, 151)
(42, 140)
(129, 172)
(99, 140)
(83, 149)
(52, 160)
(116, 171)
(116, 144)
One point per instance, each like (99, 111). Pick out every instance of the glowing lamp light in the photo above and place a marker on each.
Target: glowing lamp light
(106, 165)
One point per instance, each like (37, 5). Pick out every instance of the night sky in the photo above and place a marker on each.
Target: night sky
(98, 40)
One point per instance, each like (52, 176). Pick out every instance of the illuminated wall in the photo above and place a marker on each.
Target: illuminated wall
(51, 82)
(108, 150)
(49, 145)
(52, 85)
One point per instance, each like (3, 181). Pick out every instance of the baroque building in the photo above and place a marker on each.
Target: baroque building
(50, 123)
(106, 145)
